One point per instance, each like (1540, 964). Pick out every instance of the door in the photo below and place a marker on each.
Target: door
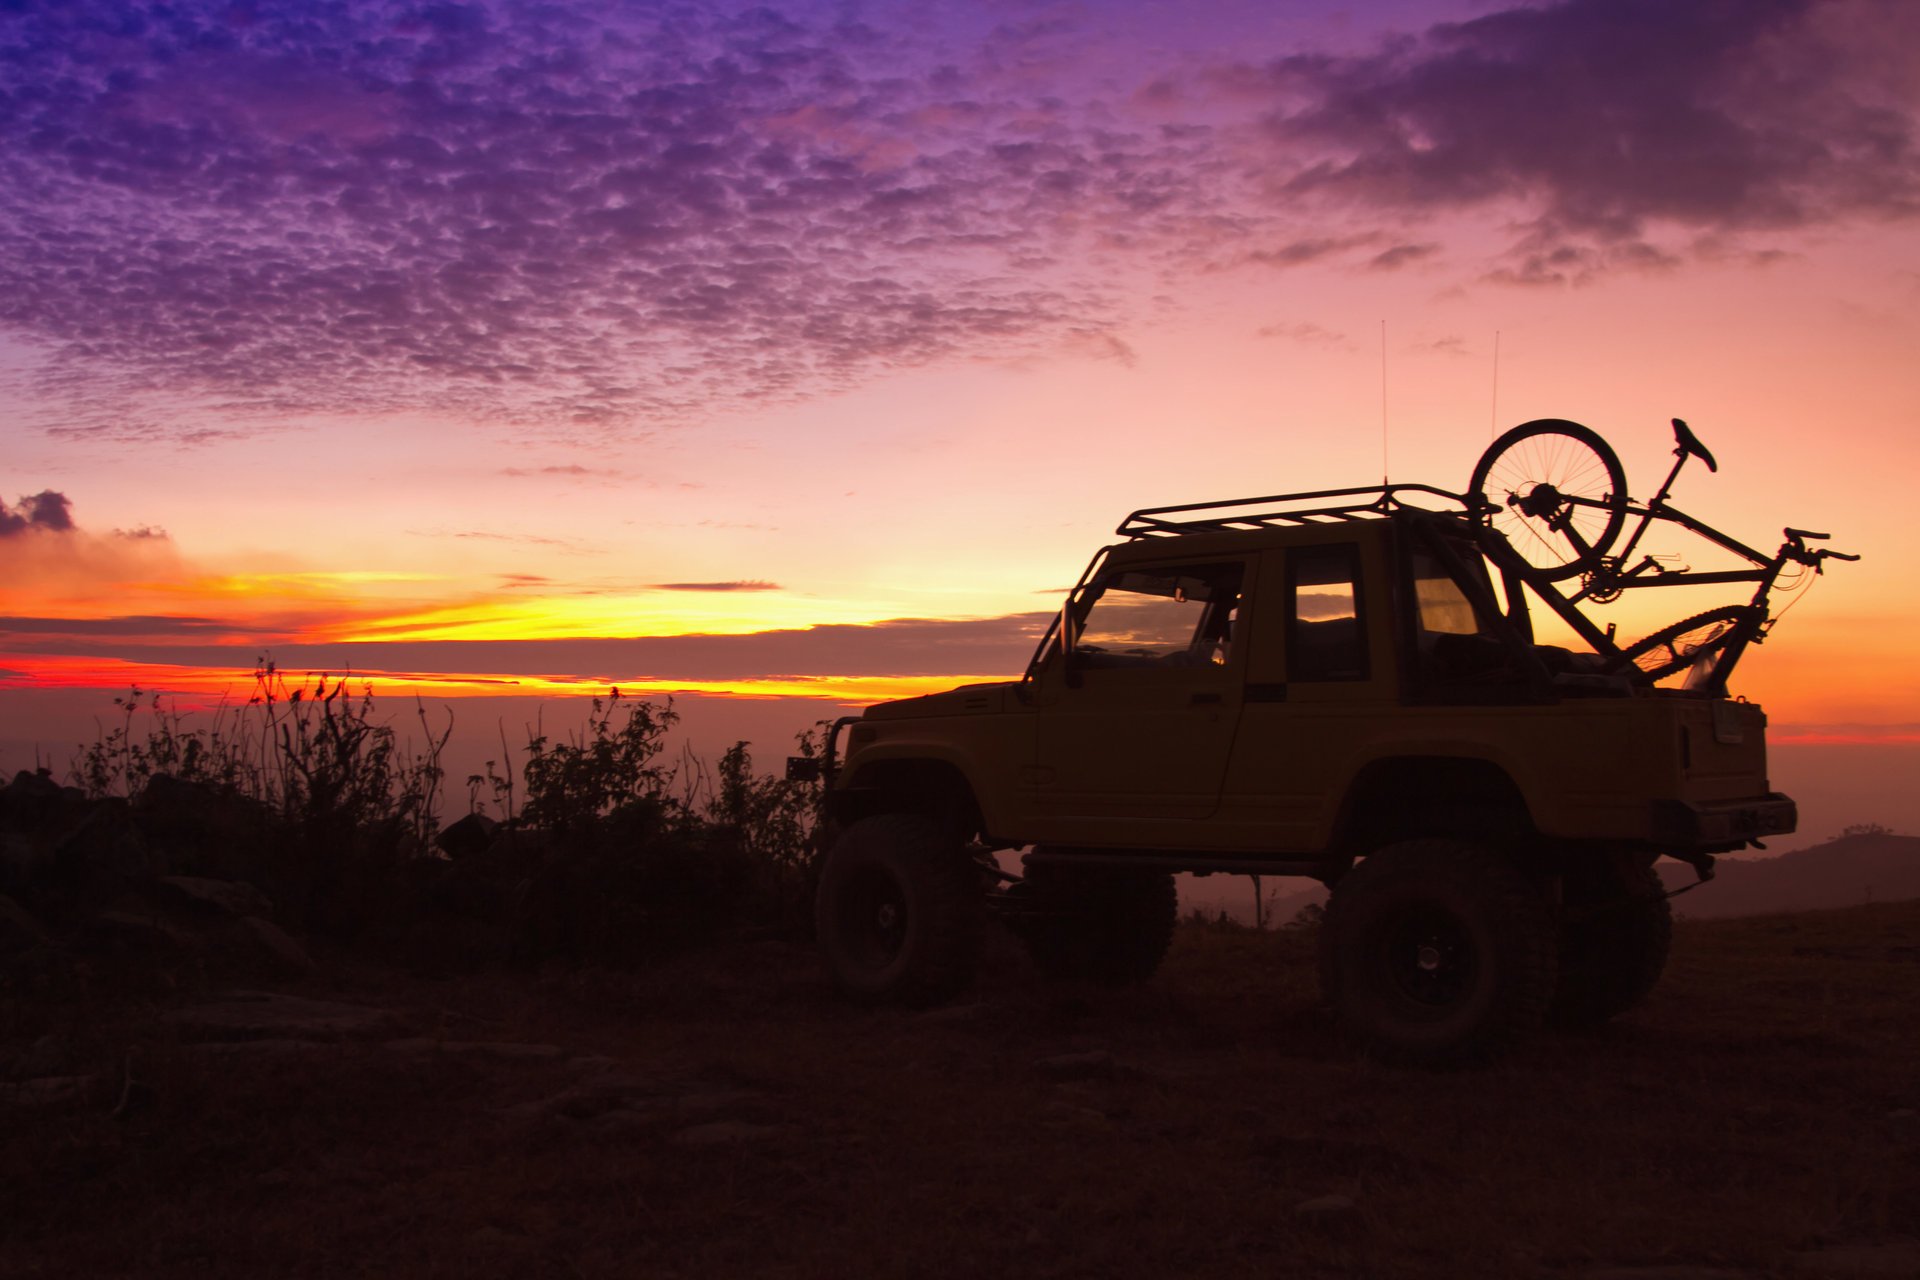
(1138, 721)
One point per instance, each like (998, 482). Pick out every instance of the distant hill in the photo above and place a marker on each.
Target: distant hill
(1840, 873)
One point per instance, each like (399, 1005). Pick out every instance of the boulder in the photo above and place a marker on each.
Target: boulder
(470, 836)
(98, 848)
(134, 927)
(20, 861)
(18, 930)
(267, 1015)
(265, 941)
(224, 897)
(32, 799)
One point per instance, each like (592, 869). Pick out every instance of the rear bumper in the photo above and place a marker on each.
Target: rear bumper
(1718, 828)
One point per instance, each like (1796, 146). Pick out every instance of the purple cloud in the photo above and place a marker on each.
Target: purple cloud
(44, 510)
(745, 584)
(1612, 122)
(901, 647)
(131, 625)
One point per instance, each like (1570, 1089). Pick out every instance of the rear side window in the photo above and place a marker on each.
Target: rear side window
(1325, 639)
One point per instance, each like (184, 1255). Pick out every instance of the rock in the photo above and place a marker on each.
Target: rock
(18, 930)
(31, 799)
(270, 942)
(20, 861)
(44, 1057)
(1667, 1271)
(100, 848)
(952, 1015)
(50, 1091)
(1845, 1261)
(271, 1049)
(710, 1100)
(266, 1015)
(727, 1133)
(227, 897)
(1096, 1064)
(1325, 1208)
(511, 1051)
(470, 836)
(1065, 1115)
(146, 930)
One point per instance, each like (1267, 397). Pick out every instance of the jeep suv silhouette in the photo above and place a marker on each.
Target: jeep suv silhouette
(1343, 685)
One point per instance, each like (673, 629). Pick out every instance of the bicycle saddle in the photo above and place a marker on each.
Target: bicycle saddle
(1690, 444)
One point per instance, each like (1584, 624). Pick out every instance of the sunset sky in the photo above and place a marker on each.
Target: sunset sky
(769, 351)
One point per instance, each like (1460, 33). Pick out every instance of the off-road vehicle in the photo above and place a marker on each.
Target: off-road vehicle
(1343, 685)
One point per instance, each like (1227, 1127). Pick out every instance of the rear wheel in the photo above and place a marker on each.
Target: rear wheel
(899, 911)
(1677, 647)
(1558, 492)
(1434, 951)
(1107, 925)
(1616, 929)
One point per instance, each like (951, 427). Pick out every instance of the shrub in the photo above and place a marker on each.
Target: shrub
(611, 855)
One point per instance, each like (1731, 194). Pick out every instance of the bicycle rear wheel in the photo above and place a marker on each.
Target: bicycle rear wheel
(1677, 647)
(1558, 494)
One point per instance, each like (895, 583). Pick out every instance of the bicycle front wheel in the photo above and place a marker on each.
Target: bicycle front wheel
(1557, 492)
(1677, 647)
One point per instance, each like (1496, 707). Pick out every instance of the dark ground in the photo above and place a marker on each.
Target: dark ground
(726, 1115)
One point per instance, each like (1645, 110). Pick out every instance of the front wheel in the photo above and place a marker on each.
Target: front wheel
(1436, 951)
(1558, 494)
(899, 911)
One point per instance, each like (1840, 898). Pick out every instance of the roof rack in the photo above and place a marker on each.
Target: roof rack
(1335, 506)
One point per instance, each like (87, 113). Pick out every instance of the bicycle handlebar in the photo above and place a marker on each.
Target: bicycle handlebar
(1797, 548)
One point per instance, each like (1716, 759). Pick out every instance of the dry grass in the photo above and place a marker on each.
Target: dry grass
(1751, 1110)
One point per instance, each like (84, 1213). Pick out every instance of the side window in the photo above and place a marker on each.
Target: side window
(1324, 636)
(1454, 642)
(1444, 607)
(1174, 617)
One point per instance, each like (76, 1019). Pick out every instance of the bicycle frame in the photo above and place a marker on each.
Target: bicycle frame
(1610, 576)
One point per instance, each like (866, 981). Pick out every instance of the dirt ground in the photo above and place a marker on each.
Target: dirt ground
(727, 1115)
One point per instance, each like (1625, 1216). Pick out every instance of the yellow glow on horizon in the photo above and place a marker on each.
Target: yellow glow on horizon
(599, 617)
(119, 674)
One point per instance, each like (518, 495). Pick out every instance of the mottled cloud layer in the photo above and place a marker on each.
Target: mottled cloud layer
(589, 216)
(533, 211)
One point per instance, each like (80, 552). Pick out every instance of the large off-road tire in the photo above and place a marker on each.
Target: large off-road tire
(1104, 925)
(899, 910)
(1616, 928)
(1438, 951)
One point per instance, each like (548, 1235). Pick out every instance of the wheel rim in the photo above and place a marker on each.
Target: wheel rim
(1664, 653)
(1431, 959)
(874, 918)
(1530, 482)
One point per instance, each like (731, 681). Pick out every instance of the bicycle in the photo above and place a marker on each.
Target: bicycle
(1556, 493)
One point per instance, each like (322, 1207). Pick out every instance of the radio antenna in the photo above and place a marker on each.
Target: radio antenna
(1493, 410)
(1383, 404)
